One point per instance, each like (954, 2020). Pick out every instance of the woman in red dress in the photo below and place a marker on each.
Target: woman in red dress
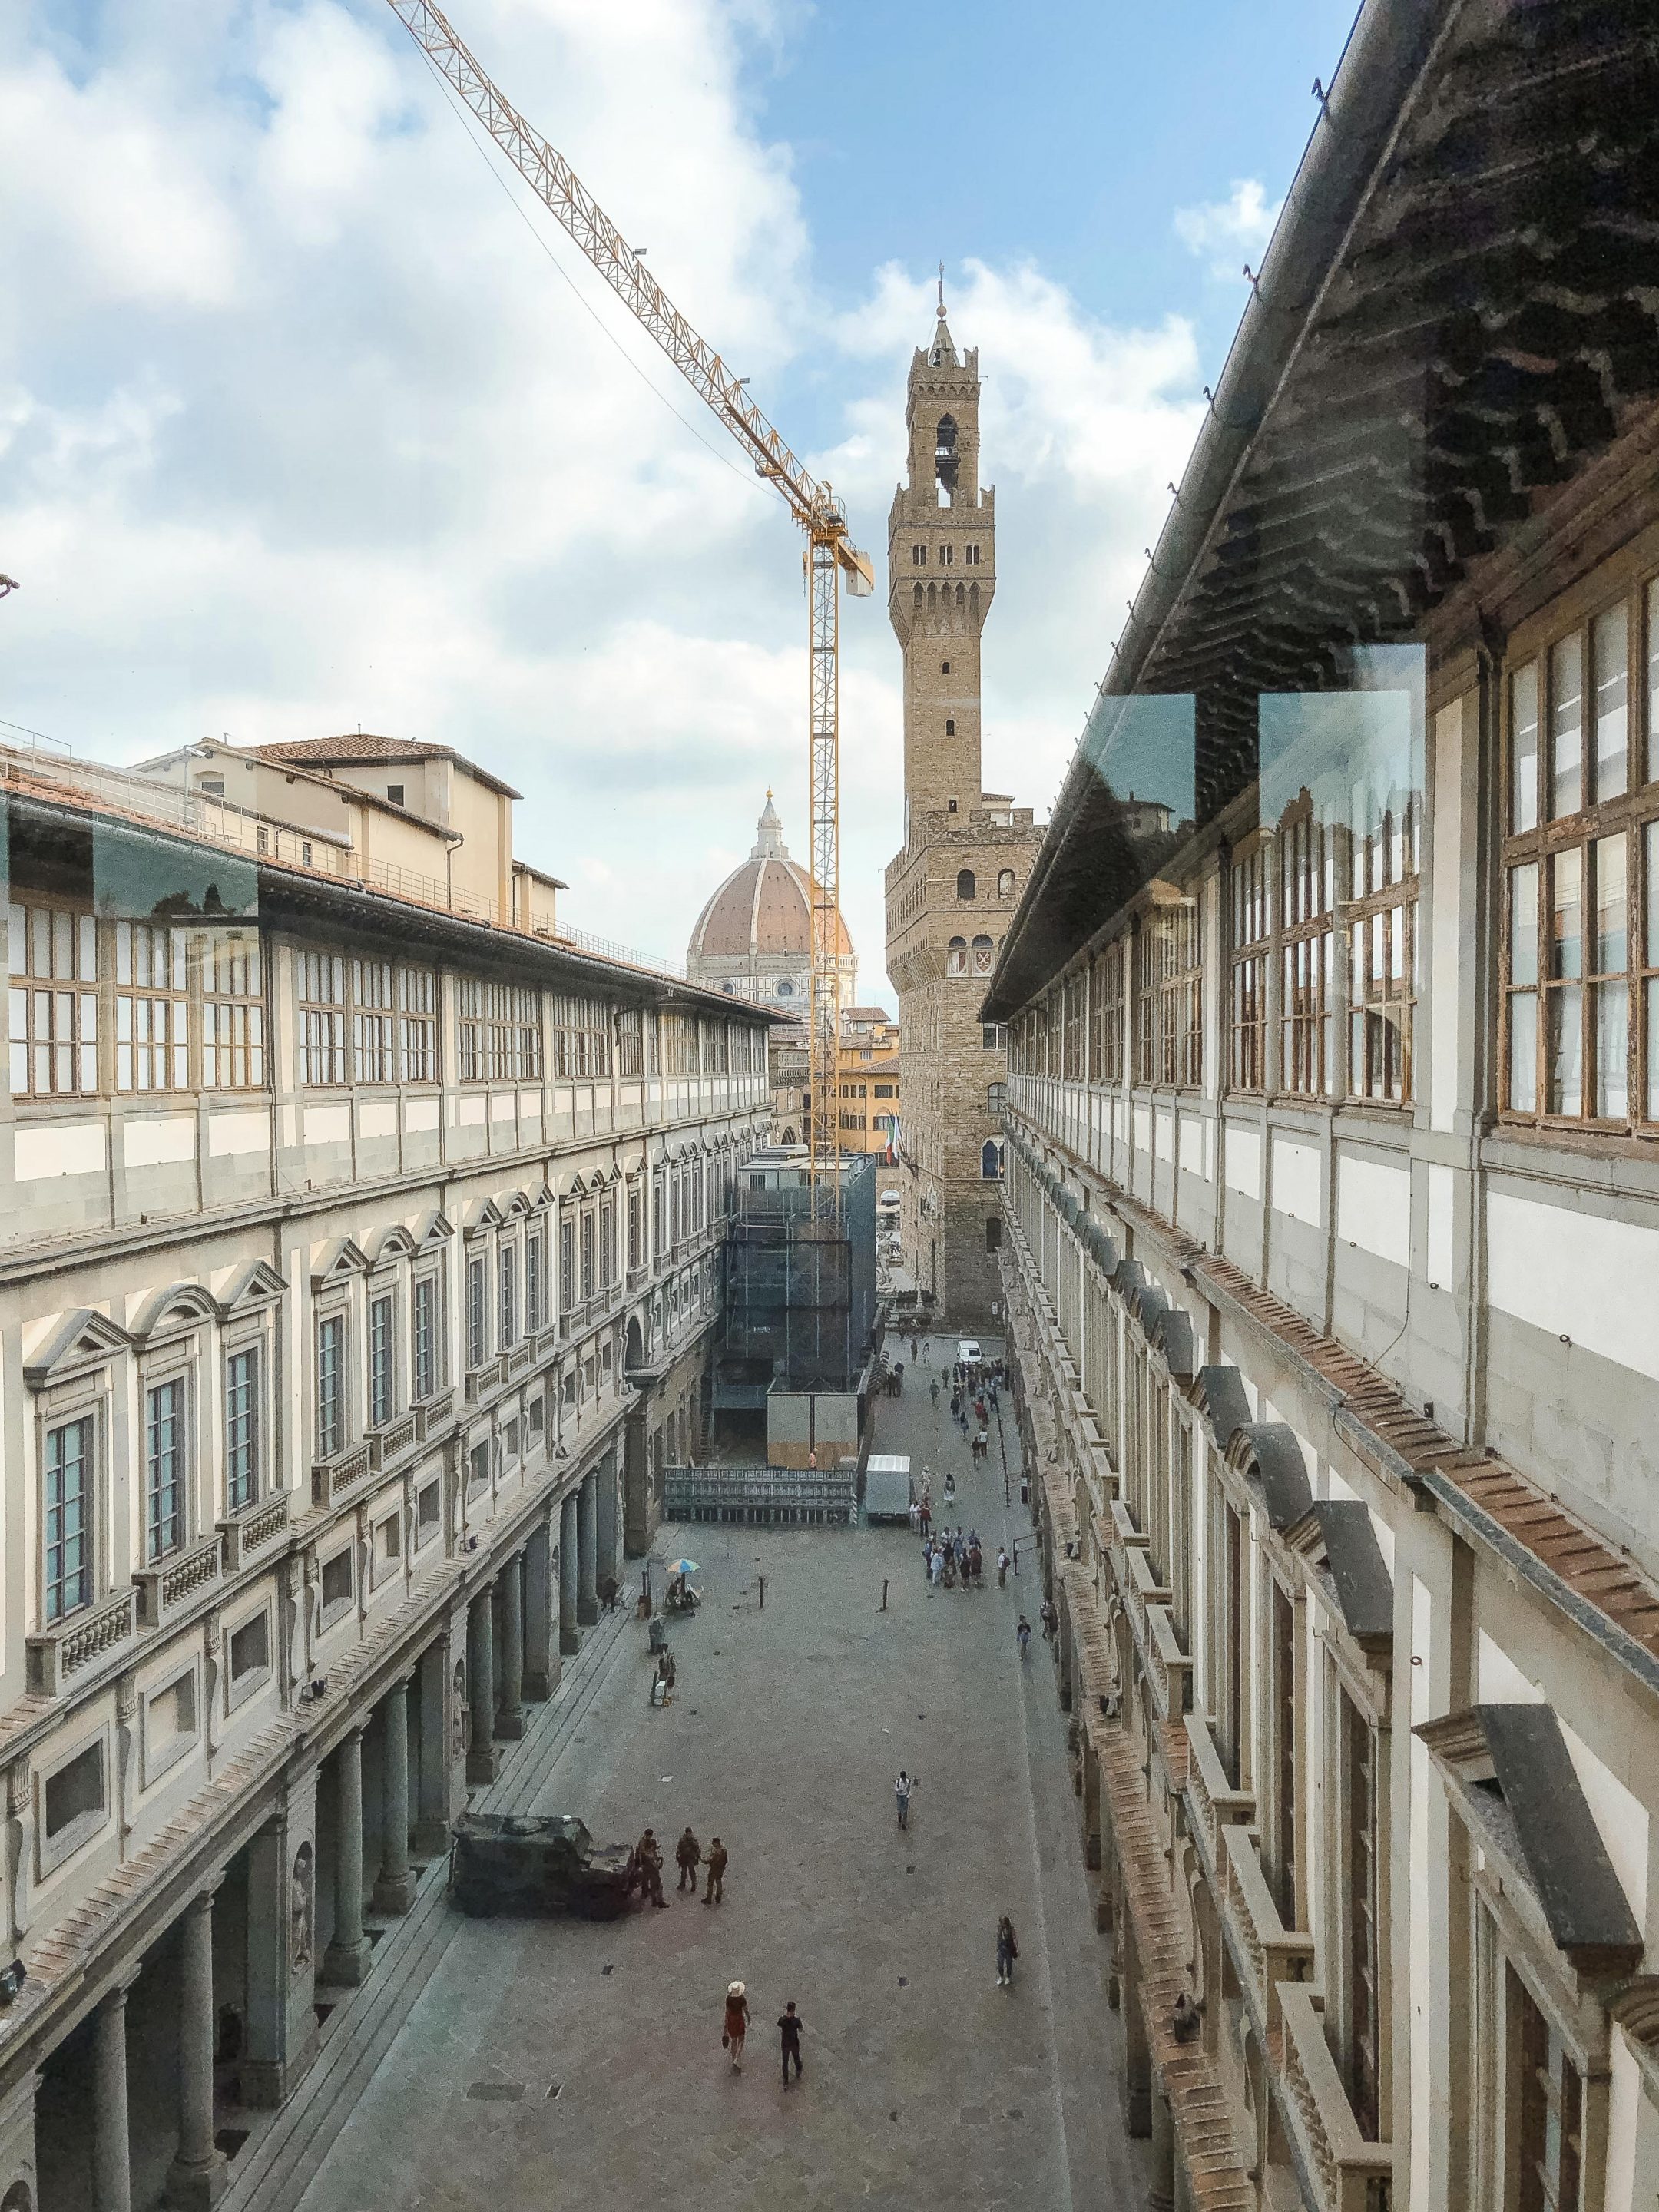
(736, 2022)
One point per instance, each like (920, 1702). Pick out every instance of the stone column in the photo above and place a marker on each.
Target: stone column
(1137, 2053)
(112, 2149)
(1160, 2188)
(606, 1520)
(347, 1960)
(509, 1725)
(197, 2176)
(432, 1786)
(587, 1597)
(540, 1664)
(282, 1965)
(394, 1890)
(639, 1516)
(482, 1759)
(570, 1635)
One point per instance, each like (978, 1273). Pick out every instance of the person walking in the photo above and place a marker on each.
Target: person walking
(737, 2023)
(687, 1857)
(938, 1566)
(789, 2029)
(902, 1789)
(1022, 1635)
(1002, 1566)
(927, 1560)
(949, 1489)
(718, 1856)
(1007, 1952)
(933, 1391)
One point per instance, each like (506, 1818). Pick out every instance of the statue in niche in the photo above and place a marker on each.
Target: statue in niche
(299, 1909)
(459, 1731)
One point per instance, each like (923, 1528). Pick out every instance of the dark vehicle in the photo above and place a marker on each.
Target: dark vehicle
(523, 1862)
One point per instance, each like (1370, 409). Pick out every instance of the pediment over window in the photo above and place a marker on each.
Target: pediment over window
(1512, 1774)
(337, 1261)
(1340, 1534)
(1219, 1395)
(1098, 1245)
(1171, 1336)
(180, 1307)
(543, 1196)
(516, 1205)
(432, 1231)
(249, 1288)
(482, 1214)
(78, 1340)
(383, 1246)
(1268, 1453)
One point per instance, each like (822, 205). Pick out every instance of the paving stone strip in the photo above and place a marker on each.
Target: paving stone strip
(275, 2168)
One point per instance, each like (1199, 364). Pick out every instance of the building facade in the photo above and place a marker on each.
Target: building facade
(360, 1275)
(1331, 1194)
(967, 853)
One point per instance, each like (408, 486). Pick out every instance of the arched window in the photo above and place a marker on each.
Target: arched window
(956, 956)
(983, 950)
(945, 452)
(990, 1160)
(1005, 882)
(965, 883)
(950, 728)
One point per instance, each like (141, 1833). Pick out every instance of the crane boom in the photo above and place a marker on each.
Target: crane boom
(830, 555)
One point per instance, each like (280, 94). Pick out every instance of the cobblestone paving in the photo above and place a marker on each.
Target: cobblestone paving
(925, 2084)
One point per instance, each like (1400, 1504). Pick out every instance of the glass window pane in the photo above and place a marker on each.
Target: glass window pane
(1611, 888)
(1612, 1017)
(1523, 1052)
(1567, 931)
(1524, 747)
(1567, 727)
(1609, 651)
(1653, 681)
(1566, 1051)
(1651, 993)
(1650, 876)
(1523, 924)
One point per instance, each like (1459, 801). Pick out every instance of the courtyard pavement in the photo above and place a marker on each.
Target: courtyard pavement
(545, 2063)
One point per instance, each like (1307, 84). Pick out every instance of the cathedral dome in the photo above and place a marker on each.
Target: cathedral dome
(756, 933)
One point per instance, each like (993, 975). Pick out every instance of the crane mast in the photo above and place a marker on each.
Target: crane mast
(829, 554)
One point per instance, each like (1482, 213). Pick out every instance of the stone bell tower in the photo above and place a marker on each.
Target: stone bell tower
(952, 888)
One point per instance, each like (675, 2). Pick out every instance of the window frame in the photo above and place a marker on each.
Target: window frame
(90, 1415)
(381, 1375)
(1630, 815)
(71, 997)
(174, 1380)
(251, 1349)
(330, 1442)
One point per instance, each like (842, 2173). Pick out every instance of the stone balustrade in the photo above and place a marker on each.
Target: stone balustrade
(1349, 2174)
(56, 1657)
(1270, 1953)
(166, 1585)
(1216, 1805)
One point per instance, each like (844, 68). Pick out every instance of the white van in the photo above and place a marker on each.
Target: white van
(968, 1351)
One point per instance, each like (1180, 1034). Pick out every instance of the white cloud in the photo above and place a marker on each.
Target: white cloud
(298, 430)
(1231, 232)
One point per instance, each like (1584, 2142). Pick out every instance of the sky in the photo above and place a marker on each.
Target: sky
(312, 418)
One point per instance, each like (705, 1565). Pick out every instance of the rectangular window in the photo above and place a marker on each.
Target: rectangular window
(53, 957)
(381, 1384)
(330, 1386)
(75, 1792)
(477, 1296)
(1229, 1641)
(1580, 951)
(426, 1338)
(232, 1012)
(507, 1300)
(241, 1428)
(417, 1025)
(1359, 1895)
(1251, 927)
(371, 1021)
(322, 1019)
(608, 1243)
(1283, 1661)
(567, 1265)
(164, 1458)
(1306, 891)
(630, 1041)
(1169, 1016)
(633, 1229)
(1383, 949)
(588, 1256)
(469, 1029)
(250, 1648)
(151, 1044)
(514, 1013)
(337, 1582)
(68, 1532)
(535, 1283)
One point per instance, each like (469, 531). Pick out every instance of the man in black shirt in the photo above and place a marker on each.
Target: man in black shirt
(789, 2029)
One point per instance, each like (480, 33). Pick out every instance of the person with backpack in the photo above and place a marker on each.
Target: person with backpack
(902, 1789)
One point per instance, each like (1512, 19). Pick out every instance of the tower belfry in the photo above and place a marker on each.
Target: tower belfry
(952, 888)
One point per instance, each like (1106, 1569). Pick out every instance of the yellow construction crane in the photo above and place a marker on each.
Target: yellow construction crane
(829, 556)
